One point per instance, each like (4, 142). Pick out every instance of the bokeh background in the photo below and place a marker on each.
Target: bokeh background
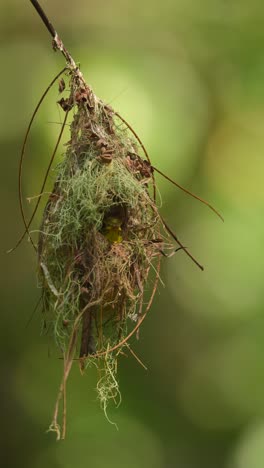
(189, 76)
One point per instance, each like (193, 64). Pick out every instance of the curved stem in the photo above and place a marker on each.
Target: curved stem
(22, 155)
(188, 192)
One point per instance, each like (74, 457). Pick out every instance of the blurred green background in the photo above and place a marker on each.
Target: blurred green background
(189, 76)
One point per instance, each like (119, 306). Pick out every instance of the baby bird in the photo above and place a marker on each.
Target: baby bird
(112, 229)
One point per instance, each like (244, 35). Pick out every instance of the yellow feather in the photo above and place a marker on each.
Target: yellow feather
(112, 230)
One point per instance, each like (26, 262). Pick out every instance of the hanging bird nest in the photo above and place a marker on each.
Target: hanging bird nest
(100, 238)
(101, 235)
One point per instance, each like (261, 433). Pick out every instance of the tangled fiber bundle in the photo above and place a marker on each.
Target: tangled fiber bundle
(100, 237)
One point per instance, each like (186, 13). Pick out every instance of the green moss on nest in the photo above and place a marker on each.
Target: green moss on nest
(99, 236)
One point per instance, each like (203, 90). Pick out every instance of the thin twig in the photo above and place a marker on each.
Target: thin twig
(180, 244)
(48, 169)
(136, 357)
(44, 18)
(26, 224)
(188, 192)
(57, 42)
(34, 311)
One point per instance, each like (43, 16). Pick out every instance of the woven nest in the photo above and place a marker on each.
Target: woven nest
(99, 239)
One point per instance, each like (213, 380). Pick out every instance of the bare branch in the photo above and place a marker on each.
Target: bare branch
(44, 18)
(57, 42)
